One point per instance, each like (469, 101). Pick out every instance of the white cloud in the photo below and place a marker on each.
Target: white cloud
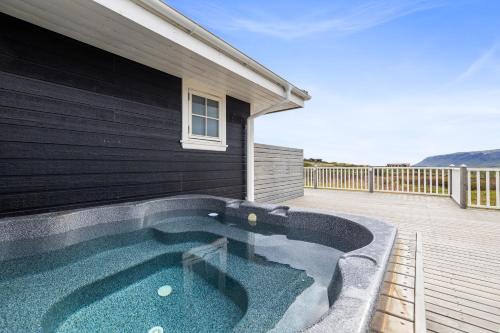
(402, 129)
(346, 17)
(486, 60)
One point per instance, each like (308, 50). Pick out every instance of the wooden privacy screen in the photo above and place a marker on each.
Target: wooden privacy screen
(278, 173)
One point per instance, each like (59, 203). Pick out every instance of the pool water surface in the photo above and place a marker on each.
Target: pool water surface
(226, 274)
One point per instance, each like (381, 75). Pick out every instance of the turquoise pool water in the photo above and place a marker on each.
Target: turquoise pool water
(225, 274)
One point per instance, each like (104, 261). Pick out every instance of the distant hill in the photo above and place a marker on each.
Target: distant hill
(485, 158)
(311, 162)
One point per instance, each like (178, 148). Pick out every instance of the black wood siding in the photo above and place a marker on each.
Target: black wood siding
(80, 126)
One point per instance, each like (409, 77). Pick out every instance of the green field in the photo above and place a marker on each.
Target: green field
(493, 199)
(493, 189)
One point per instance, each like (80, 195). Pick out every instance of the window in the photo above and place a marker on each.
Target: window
(203, 120)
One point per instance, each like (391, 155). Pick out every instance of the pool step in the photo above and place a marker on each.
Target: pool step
(400, 305)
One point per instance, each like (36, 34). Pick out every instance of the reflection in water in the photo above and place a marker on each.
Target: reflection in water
(252, 219)
(198, 260)
(250, 244)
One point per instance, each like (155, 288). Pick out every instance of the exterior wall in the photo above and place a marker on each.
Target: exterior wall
(80, 126)
(279, 173)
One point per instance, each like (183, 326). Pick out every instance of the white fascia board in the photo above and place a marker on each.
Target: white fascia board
(299, 102)
(154, 23)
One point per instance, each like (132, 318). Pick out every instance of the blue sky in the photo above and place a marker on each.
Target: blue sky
(391, 81)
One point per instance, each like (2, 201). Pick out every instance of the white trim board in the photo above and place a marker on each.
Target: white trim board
(190, 142)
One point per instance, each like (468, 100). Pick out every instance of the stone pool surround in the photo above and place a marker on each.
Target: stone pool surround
(354, 289)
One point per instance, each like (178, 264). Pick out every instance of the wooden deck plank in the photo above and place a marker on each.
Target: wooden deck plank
(403, 253)
(491, 298)
(465, 284)
(459, 266)
(420, 323)
(404, 247)
(464, 309)
(400, 304)
(396, 307)
(462, 258)
(402, 260)
(390, 324)
(450, 291)
(400, 279)
(404, 241)
(408, 236)
(465, 257)
(402, 269)
(464, 253)
(467, 247)
(460, 316)
(460, 273)
(454, 251)
(455, 277)
(464, 302)
(456, 324)
(472, 262)
(400, 292)
(439, 328)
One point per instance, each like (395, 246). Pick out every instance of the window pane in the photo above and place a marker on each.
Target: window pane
(198, 105)
(213, 128)
(212, 108)
(198, 125)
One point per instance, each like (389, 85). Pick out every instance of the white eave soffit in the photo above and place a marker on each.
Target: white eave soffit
(157, 16)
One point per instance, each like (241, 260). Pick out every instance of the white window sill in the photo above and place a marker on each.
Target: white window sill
(203, 145)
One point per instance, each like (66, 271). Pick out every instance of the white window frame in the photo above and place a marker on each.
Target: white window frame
(193, 141)
(207, 97)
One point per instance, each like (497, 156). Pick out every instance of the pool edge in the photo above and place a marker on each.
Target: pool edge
(361, 270)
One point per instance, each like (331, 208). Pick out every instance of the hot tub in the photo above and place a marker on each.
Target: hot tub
(191, 264)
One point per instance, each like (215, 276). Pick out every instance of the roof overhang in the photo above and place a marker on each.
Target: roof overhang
(154, 34)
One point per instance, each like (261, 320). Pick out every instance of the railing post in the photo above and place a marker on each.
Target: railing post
(370, 180)
(463, 186)
(315, 177)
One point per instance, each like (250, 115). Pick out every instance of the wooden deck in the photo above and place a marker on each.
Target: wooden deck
(461, 252)
(401, 306)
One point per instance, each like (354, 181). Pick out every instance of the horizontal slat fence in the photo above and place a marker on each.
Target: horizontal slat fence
(483, 187)
(278, 173)
(431, 181)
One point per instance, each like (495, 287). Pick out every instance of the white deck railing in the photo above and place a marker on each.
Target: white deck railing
(480, 188)
(483, 187)
(433, 181)
(309, 177)
(352, 178)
